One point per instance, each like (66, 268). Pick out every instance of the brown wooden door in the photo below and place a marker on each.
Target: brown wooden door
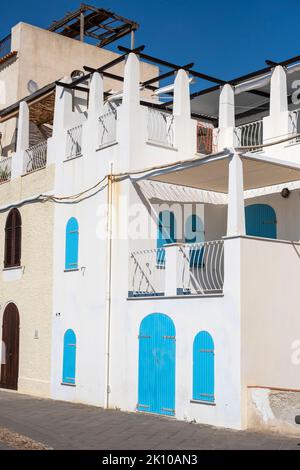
(10, 348)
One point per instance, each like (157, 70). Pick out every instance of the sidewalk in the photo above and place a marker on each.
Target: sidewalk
(60, 425)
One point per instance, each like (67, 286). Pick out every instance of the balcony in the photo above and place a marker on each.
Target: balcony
(160, 126)
(199, 269)
(108, 128)
(74, 142)
(294, 124)
(35, 157)
(5, 169)
(249, 135)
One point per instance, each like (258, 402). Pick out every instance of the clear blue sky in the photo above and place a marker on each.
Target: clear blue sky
(223, 38)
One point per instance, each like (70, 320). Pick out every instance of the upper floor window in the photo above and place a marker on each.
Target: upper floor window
(13, 235)
(72, 239)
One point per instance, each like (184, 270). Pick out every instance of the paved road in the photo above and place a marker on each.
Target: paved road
(60, 425)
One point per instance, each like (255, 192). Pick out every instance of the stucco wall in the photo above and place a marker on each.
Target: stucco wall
(30, 287)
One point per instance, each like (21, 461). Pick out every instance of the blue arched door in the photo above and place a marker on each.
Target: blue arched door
(156, 392)
(261, 221)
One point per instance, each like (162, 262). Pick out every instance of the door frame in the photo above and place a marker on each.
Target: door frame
(9, 376)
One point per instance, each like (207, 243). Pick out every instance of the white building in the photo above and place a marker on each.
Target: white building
(175, 255)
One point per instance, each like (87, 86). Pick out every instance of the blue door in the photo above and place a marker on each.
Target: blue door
(194, 233)
(156, 392)
(166, 233)
(203, 368)
(69, 358)
(261, 221)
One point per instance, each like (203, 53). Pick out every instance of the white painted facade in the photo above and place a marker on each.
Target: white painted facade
(257, 307)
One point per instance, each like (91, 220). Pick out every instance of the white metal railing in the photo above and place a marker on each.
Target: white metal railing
(160, 127)
(74, 142)
(108, 128)
(201, 268)
(5, 169)
(294, 124)
(147, 273)
(35, 157)
(249, 135)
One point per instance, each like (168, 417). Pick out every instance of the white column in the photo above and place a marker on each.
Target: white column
(185, 128)
(96, 96)
(236, 206)
(171, 259)
(62, 108)
(276, 125)
(226, 117)
(23, 127)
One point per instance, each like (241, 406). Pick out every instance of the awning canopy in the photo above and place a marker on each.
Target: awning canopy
(211, 173)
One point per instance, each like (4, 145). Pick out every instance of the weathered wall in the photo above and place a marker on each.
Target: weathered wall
(30, 287)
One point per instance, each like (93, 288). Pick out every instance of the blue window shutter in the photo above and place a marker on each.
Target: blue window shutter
(72, 239)
(203, 368)
(69, 358)
(194, 233)
(166, 232)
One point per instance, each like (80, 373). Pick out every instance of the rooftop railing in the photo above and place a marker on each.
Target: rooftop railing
(294, 124)
(35, 157)
(160, 127)
(5, 169)
(249, 135)
(5, 46)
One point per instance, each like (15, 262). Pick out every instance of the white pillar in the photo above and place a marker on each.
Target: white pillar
(182, 102)
(96, 95)
(226, 117)
(276, 125)
(62, 108)
(23, 127)
(171, 259)
(236, 206)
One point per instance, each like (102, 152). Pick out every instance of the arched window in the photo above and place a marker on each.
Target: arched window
(203, 368)
(72, 237)
(194, 233)
(13, 235)
(69, 358)
(166, 233)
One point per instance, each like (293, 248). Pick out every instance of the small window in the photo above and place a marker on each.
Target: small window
(13, 235)
(72, 240)
(204, 138)
(203, 368)
(69, 358)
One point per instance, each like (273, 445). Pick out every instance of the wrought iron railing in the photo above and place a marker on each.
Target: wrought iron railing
(108, 128)
(5, 169)
(74, 142)
(201, 268)
(294, 124)
(249, 135)
(160, 127)
(5, 46)
(35, 157)
(146, 275)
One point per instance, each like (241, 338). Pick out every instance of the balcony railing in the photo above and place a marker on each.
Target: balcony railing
(249, 135)
(294, 124)
(160, 127)
(108, 128)
(74, 142)
(146, 275)
(5, 169)
(201, 268)
(35, 157)
(5, 46)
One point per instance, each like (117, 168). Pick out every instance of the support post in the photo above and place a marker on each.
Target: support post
(236, 206)
(226, 118)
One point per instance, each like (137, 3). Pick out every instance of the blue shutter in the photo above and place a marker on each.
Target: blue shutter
(261, 221)
(72, 238)
(194, 233)
(156, 392)
(203, 368)
(69, 358)
(166, 233)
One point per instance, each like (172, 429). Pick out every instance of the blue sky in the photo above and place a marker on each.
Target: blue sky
(223, 38)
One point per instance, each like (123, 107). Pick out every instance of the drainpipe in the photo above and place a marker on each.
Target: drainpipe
(108, 274)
